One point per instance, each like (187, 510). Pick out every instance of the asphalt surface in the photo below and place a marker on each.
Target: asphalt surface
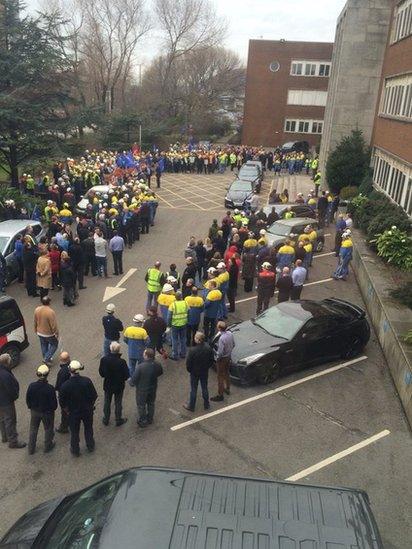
(276, 436)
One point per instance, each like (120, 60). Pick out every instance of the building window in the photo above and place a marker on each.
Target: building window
(402, 21)
(307, 97)
(310, 68)
(303, 126)
(397, 97)
(394, 179)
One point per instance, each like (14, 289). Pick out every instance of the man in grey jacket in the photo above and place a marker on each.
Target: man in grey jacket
(145, 380)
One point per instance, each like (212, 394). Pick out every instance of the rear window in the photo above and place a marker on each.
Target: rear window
(8, 315)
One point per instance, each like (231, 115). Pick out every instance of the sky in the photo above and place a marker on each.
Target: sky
(304, 20)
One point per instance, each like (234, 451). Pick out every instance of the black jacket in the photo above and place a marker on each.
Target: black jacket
(112, 327)
(189, 272)
(233, 276)
(155, 326)
(77, 394)
(76, 254)
(62, 375)
(88, 246)
(41, 397)
(146, 374)
(113, 369)
(9, 387)
(322, 204)
(67, 276)
(284, 285)
(199, 360)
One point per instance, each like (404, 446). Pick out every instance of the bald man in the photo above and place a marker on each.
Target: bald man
(62, 376)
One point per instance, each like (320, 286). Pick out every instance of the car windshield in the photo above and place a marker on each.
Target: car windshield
(279, 229)
(250, 170)
(81, 520)
(3, 243)
(241, 186)
(280, 324)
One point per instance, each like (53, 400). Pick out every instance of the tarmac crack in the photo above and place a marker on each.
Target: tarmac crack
(274, 475)
(325, 415)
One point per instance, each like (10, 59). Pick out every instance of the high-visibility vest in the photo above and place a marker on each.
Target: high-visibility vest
(179, 311)
(153, 280)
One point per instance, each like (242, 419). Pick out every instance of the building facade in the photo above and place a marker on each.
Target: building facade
(286, 92)
(392, 133)
(358, 53)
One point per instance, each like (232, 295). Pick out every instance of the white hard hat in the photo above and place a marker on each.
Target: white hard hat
(266, 265)
(167, 288)
(43, 370)
(110, 308)
(221, 265)
(211, 270)
(348, 232)
(262, 232)
(236, 211)
(138, 318)
(171, 279)
(75, 366)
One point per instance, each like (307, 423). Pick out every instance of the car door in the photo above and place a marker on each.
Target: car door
(319, 340)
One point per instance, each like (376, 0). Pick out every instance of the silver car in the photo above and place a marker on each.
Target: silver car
(9, 231)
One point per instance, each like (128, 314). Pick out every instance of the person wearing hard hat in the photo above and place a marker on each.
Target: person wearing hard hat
(222, 280)
(265, 286)
(154, 281)
(77, 397)
(212, 308)
(345, 256)
(137, 340)
(196, 307)
(113, 369)
(112, 327)
(165, 299)
(42, 403)
(177, 320)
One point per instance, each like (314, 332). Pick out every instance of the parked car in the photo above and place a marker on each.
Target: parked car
(239, 193)
(257, 163)
(294, 335)
(159, 508)
(98, 190)
(300, 210)
(252, 173)
(9, 231)
(13, 335)
(295, 146)
(281, 230)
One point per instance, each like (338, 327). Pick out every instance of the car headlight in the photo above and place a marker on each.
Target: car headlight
(250, 359)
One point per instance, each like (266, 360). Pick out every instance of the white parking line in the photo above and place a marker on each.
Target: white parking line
(338, 456)
(323, 255)
(308, 284)
(267, 393)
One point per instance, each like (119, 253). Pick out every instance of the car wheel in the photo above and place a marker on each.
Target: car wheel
(354, 348)
(268, 373)
(319, 246)
(14, 352)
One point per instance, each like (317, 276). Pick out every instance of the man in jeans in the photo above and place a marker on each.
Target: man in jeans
(42, 403)
(100, 245)
(177, 320)
(9, 393)
(116, 246)
(223, 358)
(199, 360)
(113, 369)
(45, 326)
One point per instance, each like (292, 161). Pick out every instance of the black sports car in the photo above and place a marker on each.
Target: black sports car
(239, 194)
(295, 335)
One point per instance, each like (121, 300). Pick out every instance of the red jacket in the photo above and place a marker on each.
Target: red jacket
(266, 281)
(54, 256)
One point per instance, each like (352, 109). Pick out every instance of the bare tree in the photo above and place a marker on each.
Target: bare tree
(110, 34)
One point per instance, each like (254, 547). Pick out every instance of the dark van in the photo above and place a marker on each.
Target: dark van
(156, 508)
(13, 335)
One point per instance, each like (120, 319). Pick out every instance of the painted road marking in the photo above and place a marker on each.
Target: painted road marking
(164, 200)
(185, 199)
(268, 393)
(323, 255)
(197, 194)
(308, 284)
(112, 291)
(338, 456)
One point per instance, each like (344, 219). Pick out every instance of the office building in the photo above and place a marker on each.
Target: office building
(286, 92)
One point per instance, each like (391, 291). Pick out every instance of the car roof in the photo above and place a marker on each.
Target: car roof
(240, 180)
(13, 226)
(228, 511)
(296, 221)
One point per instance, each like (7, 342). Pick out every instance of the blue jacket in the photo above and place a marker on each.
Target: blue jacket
(212, 304)
(196, 307)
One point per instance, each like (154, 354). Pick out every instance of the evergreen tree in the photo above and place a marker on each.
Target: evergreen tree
(348, 163)
(34, 89)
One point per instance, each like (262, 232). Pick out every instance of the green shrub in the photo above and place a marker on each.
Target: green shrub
(408, 337)
(366, 186)
(395, 247)
(22, 200)
(347, 193)
(403, 294)
(348, 163)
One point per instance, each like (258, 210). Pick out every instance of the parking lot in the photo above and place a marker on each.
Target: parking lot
(338, 424)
